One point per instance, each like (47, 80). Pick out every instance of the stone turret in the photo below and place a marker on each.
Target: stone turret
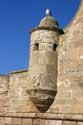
(43, 62)
(41, 82)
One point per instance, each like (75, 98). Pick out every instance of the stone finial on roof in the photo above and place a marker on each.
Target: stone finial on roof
(48, 12)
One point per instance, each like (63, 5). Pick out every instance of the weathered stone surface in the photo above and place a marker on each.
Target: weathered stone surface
(16, 108)
(80, 123)
(69, 97)
(4, 87)
(26, 122)
(41, 119)
(11, 121)
(19, 99)
(50, 122)
(69, 123)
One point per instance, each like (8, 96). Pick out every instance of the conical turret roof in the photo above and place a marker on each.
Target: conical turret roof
(48, 20)
(48, 23)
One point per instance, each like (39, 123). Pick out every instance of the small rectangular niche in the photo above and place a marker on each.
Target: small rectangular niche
(36, 46)
(54, 47)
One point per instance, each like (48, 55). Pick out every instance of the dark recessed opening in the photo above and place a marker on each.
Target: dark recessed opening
(54, 47)
(36, 46)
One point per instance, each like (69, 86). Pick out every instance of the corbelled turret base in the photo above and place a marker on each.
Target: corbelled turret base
(42, 98)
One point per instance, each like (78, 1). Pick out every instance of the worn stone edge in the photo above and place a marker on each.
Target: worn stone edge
(19, 71)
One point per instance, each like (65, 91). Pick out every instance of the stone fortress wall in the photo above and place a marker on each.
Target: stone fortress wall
(70, 73)
(67, 109)
(4, 88)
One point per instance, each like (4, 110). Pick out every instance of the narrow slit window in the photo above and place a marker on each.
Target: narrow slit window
(54, 47)
(36, 46)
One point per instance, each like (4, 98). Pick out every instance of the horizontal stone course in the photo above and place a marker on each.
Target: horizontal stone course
(41, 119)
(46, 116)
